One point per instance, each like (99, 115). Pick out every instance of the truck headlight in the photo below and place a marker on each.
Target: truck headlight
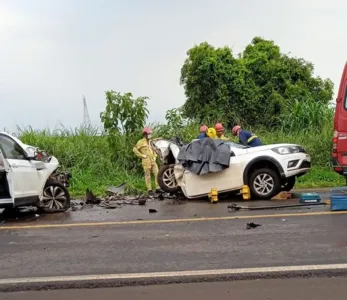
(286, 150)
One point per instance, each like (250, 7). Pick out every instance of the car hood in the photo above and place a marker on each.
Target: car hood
(268, 147)
(163, 148)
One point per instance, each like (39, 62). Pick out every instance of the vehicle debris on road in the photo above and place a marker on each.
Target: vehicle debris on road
(235, 207)
(115, 198)
(252, 225)
(119, 190)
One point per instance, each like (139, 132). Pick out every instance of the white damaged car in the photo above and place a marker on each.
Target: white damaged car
(267, 170)
(28, 178)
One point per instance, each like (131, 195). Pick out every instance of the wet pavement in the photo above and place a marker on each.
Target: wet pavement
(165, 209)
(180, 236)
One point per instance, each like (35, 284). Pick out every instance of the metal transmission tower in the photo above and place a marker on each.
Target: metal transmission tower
(86, 118)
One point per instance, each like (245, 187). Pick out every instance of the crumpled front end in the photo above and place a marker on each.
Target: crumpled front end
(166, 150)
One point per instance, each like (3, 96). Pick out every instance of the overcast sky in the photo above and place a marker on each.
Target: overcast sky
(53, 52)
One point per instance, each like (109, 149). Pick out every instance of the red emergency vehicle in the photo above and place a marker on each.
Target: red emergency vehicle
(339, 154)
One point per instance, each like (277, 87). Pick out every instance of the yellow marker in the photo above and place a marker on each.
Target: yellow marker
(213, 195)
(246, 193)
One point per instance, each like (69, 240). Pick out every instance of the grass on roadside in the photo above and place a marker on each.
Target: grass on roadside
(320, 177)
(95, 165)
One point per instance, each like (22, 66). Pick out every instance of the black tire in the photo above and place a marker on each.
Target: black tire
(289, 184)
(165, 172)
(53, 189)
(272, 178)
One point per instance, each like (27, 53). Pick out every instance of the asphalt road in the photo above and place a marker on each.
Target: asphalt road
(290, 289)
(180, 237)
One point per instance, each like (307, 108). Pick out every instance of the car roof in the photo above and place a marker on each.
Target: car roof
(18, 141)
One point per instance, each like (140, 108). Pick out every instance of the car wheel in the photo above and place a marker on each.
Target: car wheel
(289, 184)
(264, 184)
(167, 180)
(55, 198)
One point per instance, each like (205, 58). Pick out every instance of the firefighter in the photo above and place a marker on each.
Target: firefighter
(203, 130)
(144, 150)
(245, 137)
(220, 131)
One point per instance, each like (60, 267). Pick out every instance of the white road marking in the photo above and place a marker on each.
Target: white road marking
(153, 275)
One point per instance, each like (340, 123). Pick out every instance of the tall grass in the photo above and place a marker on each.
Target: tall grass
(96, 163)
(87, 154)
(97, 160)
(313, 116)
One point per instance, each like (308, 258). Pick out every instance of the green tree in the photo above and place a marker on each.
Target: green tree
(123, 113)
(206, 76)
(256, 88)
(123, 119)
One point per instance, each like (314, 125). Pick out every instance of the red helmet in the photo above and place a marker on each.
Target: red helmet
(147, 130)
(236, 129)
(203, 128)
(219, 127)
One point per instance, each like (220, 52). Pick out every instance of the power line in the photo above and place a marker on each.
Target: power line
(86, 117)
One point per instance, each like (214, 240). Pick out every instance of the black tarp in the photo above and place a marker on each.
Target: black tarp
(205, 156)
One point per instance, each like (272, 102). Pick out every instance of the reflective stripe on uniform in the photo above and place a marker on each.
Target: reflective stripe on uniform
(251, 139)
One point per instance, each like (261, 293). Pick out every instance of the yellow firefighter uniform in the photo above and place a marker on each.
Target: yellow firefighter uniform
(144, 150)
(222, 137)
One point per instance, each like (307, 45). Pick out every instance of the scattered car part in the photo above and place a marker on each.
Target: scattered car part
(252, 225)
(235, 207)
(152, 210)
(118, 190)
(91, 198)
(142, 201)
(109, 205)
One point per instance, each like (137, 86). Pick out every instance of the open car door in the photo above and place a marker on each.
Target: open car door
(22, 175)
(6, 199)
